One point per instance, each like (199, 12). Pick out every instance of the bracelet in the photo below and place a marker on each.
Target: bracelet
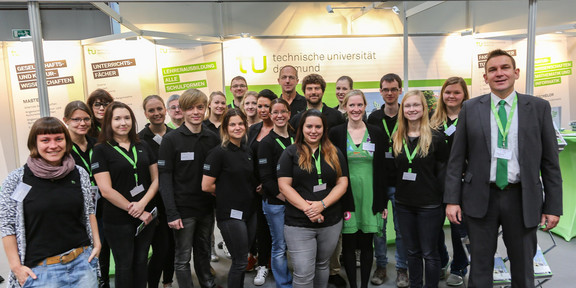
(323, 205)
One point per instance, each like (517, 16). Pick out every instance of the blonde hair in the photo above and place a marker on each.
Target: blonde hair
(440, 114)
(249, 93)
(401, 134)
(210, 99)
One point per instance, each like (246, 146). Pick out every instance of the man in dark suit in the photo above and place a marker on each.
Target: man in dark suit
(504, 142)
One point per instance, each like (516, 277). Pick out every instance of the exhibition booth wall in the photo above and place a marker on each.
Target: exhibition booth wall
(255, 39)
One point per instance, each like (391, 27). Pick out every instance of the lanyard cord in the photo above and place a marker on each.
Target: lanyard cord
(389, 134)
(409, 156)
(504, 131)
(88, 168)
(317, 163)
(133, 162)
(282, 144)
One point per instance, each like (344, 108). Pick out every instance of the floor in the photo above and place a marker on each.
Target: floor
(560, 259)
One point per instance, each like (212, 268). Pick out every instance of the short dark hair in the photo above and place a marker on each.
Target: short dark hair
(47, 125)
(499, 52)
(98, 94)
(238, 78)
(76, 105)
(267, 93)
(107, 133)
(391, 77)
(313, 79)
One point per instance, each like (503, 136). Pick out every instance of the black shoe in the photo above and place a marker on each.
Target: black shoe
(1, 279)
(337, 281)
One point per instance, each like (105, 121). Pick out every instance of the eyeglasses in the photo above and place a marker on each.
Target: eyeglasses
(284, 77)
(78, 120)
(239, 86)
(174, 107)
(393, 90)
(100, 104)
(279, 112)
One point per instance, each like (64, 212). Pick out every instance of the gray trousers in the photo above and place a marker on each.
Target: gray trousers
(310, 250)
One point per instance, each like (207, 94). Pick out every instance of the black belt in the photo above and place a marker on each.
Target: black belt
(510, 186)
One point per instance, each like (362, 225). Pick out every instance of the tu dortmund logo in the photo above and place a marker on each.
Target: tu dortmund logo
(242, 61)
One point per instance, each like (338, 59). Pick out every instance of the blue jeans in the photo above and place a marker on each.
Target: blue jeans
(78, 273)
(310, 250)
(420, 227)
(380, 248)
(197, 234)
(275, 217)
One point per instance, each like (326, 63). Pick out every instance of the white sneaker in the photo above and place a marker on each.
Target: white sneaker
(260, 278)
(226, 252)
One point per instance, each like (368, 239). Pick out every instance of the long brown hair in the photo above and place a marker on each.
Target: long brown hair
(440, 115)
(328, 150)
(401, 134)
(107, 133)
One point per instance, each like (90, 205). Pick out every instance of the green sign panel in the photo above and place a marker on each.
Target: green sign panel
(17, 33)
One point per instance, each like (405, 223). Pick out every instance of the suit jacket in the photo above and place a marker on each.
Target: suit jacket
(339, 137)
(469, 185)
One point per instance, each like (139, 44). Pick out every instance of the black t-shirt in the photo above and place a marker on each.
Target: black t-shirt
(53, 216)
(216, 130)
(427, 190)
(233, 169)
(147, 135)
(333, 117)
(449, 138)
(107, 159)
(180, 161)
(298, 105)
(83, 159)
(269, 151)
(375, 119)
(304, 182)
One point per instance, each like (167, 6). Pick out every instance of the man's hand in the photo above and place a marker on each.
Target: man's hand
(549, 221)
(454, 213)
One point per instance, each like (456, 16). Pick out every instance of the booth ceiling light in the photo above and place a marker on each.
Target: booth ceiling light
(330, 9)
(245, 35)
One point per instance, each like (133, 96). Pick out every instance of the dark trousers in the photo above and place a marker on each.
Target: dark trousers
(419, 228)
(130, 253)
(104, 259)
(162, 259)
(504, 209)
(459, 259)
(238, 236)
(263, 238)
(351, 242)
(197, 235)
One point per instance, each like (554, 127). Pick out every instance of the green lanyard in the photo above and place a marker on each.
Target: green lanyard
(446, 125)
(409, 156)
(317, 163)
(88, 168)
(282, 144)
(389, 134)
(317, 109)
(504, 132)
(232, 104)
(133, 162)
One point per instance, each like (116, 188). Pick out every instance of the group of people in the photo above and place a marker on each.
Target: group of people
(285, 175)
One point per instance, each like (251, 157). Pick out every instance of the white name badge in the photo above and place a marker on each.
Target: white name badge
(367, 146)
(450, 130)
(318, 188)
(94, 192)
(137, 190)
(186, 156)
(409, 176)
(158, 139)
(503, 153)
(389, 155)
(21, 191)
(236, 214)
